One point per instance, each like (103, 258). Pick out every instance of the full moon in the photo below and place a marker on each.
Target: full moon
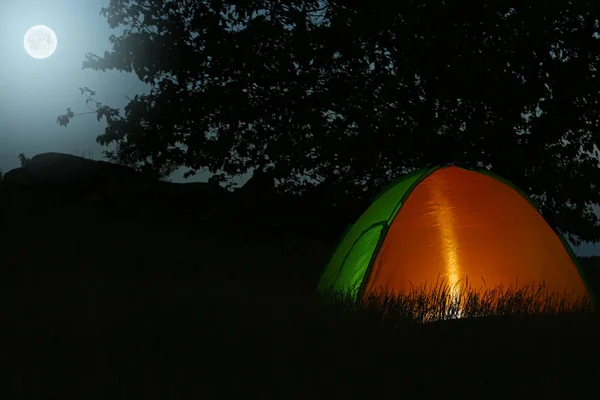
(40, 41)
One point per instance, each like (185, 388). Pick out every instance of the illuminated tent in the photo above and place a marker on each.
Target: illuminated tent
(450, 223)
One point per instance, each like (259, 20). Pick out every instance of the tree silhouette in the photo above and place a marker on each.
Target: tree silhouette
(324, 93)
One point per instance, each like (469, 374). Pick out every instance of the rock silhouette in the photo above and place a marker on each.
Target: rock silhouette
(58, 168)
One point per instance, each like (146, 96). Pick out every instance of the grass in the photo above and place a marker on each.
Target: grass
(89, 310)
(437, 302)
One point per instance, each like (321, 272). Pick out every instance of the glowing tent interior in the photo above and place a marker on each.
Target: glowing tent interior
(449, 222)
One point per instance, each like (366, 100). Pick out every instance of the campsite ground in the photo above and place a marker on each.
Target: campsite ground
(98, 307)
(256, 332)
(106, 339)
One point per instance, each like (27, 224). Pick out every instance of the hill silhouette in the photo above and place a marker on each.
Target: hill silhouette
(56, 192)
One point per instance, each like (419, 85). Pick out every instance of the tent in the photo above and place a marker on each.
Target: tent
(451, 223)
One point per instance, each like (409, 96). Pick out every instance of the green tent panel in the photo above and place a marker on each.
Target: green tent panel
(360, 257)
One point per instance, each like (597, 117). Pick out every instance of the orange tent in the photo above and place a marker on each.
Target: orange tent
(451, 223)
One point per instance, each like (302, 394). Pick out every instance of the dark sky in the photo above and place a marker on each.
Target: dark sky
(33, 92)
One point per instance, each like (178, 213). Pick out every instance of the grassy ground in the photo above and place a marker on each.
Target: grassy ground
(99, 339)
(89, 311)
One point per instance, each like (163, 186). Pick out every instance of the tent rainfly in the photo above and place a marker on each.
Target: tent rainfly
(451, 223)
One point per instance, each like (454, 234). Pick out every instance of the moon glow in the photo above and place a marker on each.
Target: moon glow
(40, 41)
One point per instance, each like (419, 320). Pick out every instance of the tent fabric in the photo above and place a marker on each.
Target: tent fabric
(455, 224)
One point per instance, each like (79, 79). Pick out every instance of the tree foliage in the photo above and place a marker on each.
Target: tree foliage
(324, 93)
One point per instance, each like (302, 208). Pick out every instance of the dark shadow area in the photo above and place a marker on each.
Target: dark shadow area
(117, 284)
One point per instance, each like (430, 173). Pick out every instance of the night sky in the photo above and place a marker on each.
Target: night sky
(33, 92)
